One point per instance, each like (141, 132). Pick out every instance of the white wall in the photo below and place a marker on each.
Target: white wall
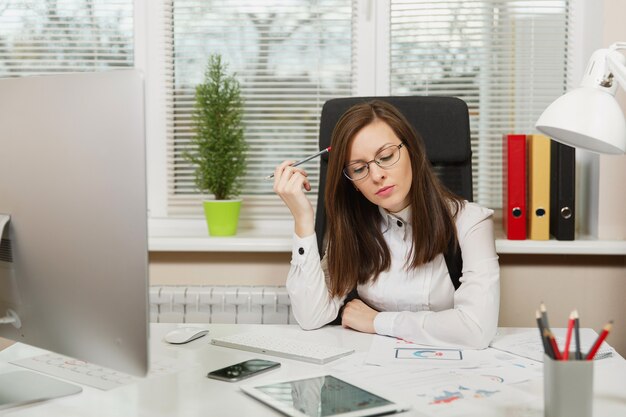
(595, 285)
(612, 193)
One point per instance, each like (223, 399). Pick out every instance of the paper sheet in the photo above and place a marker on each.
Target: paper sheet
(385, 351)
(444, 392)
(528, 344)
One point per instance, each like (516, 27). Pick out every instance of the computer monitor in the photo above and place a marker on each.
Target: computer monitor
(74, 253)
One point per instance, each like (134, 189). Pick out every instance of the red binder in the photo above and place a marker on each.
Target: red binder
(514, 186)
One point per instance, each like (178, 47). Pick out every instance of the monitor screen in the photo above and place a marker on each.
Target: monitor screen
(74, 255)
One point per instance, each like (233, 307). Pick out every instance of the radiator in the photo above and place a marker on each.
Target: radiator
(220, 304)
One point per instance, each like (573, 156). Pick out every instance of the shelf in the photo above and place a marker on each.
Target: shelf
(583, 245)
(558, 247)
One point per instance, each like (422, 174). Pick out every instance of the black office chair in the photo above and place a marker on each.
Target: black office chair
(443, 123)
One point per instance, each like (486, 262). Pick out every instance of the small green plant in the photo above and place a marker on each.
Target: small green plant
(219, 153)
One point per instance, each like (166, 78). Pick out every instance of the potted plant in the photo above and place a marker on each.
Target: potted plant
(219, 152)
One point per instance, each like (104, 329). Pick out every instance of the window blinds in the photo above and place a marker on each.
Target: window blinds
(54, 36)
(507, 59)
(289, 57)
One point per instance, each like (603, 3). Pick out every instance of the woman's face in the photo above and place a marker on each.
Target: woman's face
(386, 187)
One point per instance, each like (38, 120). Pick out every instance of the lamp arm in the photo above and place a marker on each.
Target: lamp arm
(616, 63)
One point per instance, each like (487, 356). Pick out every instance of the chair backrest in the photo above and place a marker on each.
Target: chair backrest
(443, 123)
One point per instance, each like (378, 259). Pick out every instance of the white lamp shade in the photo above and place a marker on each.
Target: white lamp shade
(586, 118)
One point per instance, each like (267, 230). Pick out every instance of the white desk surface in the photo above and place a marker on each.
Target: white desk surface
(188, 392)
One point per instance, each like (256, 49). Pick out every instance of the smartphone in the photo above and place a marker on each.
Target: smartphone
(243, 370)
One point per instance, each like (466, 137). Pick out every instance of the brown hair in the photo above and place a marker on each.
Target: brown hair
(357, 251)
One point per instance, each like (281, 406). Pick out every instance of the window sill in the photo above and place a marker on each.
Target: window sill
(239, 243)
(248, 242)
(191, 236)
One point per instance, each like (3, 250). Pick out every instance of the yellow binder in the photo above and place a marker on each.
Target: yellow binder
(538, 154)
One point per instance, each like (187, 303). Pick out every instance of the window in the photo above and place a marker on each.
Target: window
(52, 36)
(289, 57)
(507, 59)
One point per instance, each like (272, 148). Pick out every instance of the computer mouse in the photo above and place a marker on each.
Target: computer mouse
(184, 335)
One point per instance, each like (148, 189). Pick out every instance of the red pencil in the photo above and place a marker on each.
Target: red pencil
(599, 340)
(568, 337)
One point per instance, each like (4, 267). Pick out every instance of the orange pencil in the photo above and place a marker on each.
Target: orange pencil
(599, 340)
(568, 337)
(555, 347)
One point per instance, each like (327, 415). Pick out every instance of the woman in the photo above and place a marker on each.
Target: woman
(389, 223)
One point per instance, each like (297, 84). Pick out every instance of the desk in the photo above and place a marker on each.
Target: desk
(189, 393)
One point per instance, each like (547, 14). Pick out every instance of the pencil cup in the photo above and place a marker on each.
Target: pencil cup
(567, 388)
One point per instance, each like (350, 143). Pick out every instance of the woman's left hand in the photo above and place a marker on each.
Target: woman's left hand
(359, 316)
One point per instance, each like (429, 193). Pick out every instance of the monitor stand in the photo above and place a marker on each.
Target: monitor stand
(25, 387)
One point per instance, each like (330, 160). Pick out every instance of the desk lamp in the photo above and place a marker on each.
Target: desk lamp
(589, 117)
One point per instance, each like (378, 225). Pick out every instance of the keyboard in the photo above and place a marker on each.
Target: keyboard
(283, 347)
(86, 373)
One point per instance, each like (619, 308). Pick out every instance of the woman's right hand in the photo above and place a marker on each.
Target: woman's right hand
(290, 183)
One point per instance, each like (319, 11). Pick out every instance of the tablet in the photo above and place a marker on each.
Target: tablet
(322, 396)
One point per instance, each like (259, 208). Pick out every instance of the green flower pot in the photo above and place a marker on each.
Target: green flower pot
(222, 216)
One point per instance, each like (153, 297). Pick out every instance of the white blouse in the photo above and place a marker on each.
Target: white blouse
(419, 305)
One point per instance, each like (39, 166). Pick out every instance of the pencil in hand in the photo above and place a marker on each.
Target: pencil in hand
(302, 161)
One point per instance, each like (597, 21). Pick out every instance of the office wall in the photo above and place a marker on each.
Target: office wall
(218, 268)
(595, 285)
(612, 192)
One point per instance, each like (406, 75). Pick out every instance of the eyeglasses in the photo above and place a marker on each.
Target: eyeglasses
(386, 158)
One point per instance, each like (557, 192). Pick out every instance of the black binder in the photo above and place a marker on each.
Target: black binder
(562, 191)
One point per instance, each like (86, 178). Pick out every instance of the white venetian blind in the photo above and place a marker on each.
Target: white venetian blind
(54, 36)
(507, 59)
(289, 57)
